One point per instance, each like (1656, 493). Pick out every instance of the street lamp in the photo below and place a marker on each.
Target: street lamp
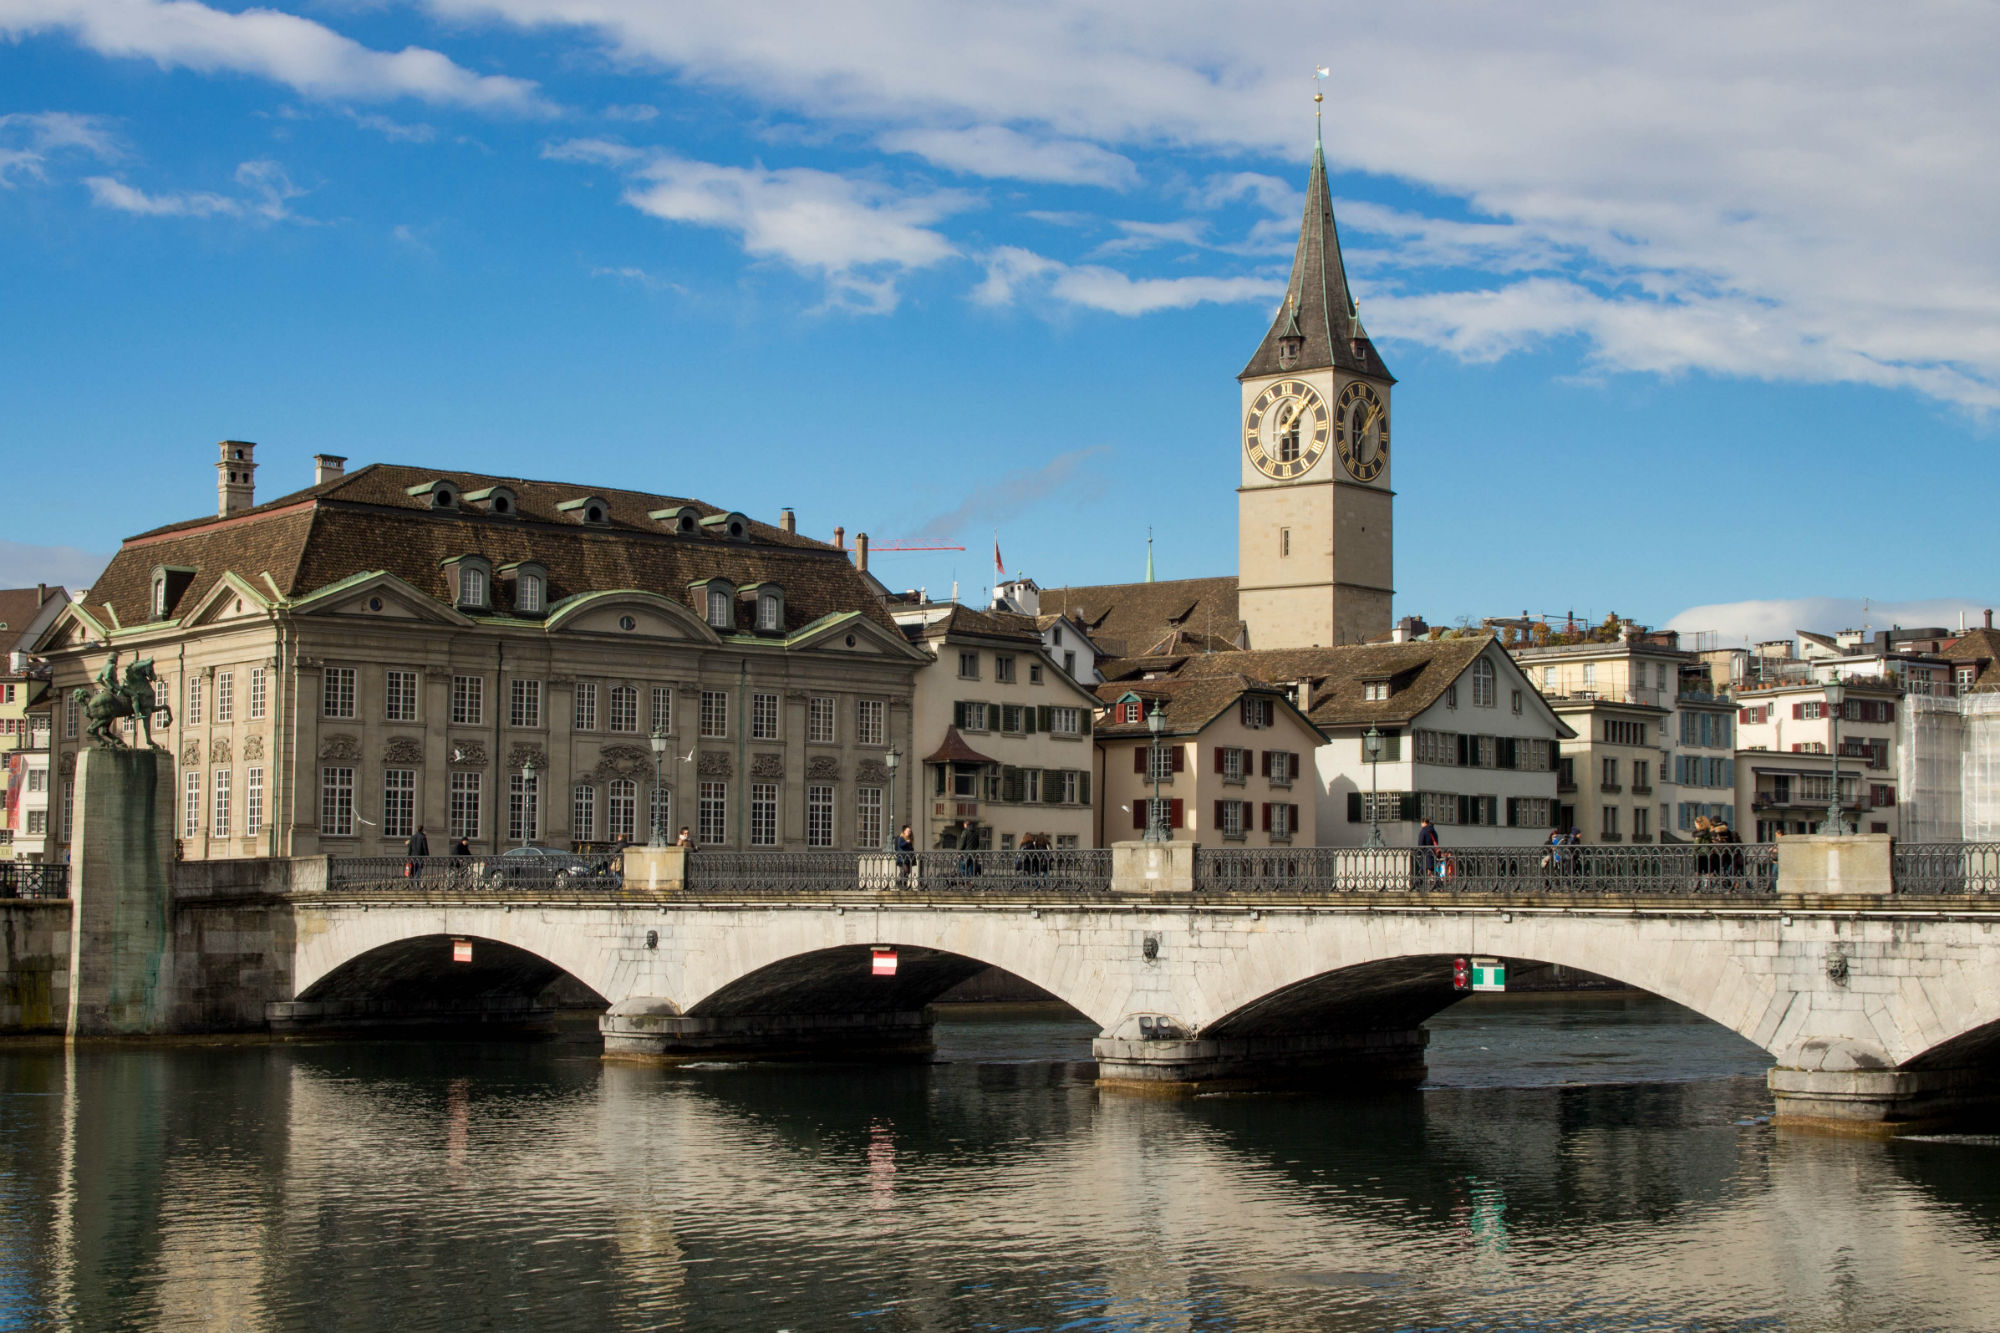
(1836, 695)
(659, 743)
(1156, 824)
(893, 758)
(1371, 741)
(527, 797)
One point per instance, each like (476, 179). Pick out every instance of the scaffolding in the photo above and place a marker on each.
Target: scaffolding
(1948, 768)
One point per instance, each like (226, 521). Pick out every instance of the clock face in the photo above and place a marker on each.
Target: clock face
(1286, 429)
(1361, 432)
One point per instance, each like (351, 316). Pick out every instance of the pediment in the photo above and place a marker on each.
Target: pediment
(852, 634)
(630, 613)
(378, 596)
(73, 628)
(232, 598)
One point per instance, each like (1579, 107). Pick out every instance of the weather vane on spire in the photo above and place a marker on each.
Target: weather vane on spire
(1319, 98)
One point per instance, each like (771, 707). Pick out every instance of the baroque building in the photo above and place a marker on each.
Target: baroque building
(488, 658)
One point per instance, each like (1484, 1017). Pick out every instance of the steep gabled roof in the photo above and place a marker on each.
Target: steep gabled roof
(23, 614)
(1134, 619)
(954, 750)
(1192, 703)
(1980, 647)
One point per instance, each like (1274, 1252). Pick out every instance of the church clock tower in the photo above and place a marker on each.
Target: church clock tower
(1314, 556)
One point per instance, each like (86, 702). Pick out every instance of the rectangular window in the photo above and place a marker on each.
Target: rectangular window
(68, 807)
(399, 802)
(218, 808)
(1031, 785)
(38, 821)
(1010, 717)
(868, 816)
(819, 816)
(1642, 773)
(191, 804)
(1066, 721)
(1160, 763)
(583, 812)
(1611, 774)
(466, 794)
(38, 779)
(253, 802)
(1234, 761)
(584, 715)
(968, 666)
(714, 715)
(621, 809)
(971, 716)
(194, 700)
(399, 696)
(1072, 787)
(468, 701)
(1284, 541)
(1229, 818)
(1281, 820)
(1003, 669)
(257, 693)
(225, 696)
(72, 711)
(870, 722)
(336, 802)
(523, 807)
(624, 708)
(1281, 768)
(713, 823)
(1610, 828)
(1641, 822)
(338, 698)
(663, 708)
(821, 715)
(525, 705)
(763, 717)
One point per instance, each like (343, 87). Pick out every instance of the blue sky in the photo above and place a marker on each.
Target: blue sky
(1693, 316)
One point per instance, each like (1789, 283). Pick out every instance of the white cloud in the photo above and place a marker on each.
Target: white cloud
(856, 235)
(307, 56)
(28, 139)
(997, 152)
(395, 131)
(1018, 492)
(638, 113)
(1737, 624)
(1814, 173)
(269, 192)
(23, 564)
(1013, 273)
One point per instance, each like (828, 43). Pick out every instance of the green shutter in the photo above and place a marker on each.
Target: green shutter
(1010, 783)
(1083, 787)
(1084, 725)
(1028, 720)
(1042, 713)
(1409, 811)
(958, 715)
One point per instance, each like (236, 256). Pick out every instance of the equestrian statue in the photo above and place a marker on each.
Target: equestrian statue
(132, 697)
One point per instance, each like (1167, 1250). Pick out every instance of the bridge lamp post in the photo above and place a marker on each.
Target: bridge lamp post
(659, 743)
(1371, 742)
(528, 803)
(893, 758)
(1836, 697)
(1156, 824)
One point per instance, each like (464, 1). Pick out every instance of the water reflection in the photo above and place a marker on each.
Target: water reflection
(399, 1186)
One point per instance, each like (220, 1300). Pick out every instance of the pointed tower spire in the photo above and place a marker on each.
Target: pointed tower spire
(1149, 555)
(1319, 324)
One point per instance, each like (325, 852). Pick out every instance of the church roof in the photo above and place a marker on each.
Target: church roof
(1318, 307)
(1140, 619)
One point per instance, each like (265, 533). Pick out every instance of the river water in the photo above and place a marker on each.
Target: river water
(1576, 1163)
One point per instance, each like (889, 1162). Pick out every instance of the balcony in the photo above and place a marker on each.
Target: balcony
(1638, 790)
(1565, 787)
(1611, 787)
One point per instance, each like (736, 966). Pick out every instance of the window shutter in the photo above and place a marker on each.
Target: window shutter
(1179, 757)
(1010, 783)
(1083, 788)
(1407, 804)
(1292, 820)
(1086, 722)
(1221, 755)
(1266, 760)
(1139, 813)
(1511, 821)
(1889, 712)
(1138, 759)
(1028, 721)
(1354, 807)
(1221, 823)
(1294, 769)
(1052, 786)
(1267, 816)
(1743, 715)
(1041, 716)
(958, 715)
(1798, 712)
(1174, 812)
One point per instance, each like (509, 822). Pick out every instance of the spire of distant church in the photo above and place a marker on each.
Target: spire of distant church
(1149, 555)
(1318, 324)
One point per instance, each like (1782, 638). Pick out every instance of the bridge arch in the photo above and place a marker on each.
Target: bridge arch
(437, 979)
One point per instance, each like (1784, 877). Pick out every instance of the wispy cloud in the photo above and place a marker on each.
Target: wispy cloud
(639, 277)
(395, 131)
(23, 564)
(1014, 274)
(1737, 624)
(28, 139)
(1064, 477)
(268, 194)
(856, 235)
(265, 43)
(638, 113)
(1000, 153)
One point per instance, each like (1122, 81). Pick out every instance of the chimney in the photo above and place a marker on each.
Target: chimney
(235, 477)
(861, 551)
(328, 466)
(41, 594)
(787, 520)
(1989, 617)
(840, 539)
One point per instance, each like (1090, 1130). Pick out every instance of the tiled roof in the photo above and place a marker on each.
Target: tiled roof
(1191, 702)
(1981, 646)
(19, 609)
(1418, 673)
(954, 750)
(985, 624)
(1131, 619)
(365, 522)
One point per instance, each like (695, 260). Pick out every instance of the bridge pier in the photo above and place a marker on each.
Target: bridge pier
(1882, 1103)
(656, 1030)
(1171, 1066)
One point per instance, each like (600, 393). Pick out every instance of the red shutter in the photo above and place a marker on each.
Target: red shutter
(1267, 816)
(1178, 754)
(1267, 763)
(1889, 712)
(1138, 759)
(1798, 712)
(1292, 824)
(1743, 716)
(1174, 812)
(1139, 814)
(1270, 712)
(1220, 822)
(1295, 768)
(1220, 766)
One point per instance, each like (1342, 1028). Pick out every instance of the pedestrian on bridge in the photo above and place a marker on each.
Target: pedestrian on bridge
(419, 847)
(1427, 843)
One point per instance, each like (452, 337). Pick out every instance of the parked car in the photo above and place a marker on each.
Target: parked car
(546, 867)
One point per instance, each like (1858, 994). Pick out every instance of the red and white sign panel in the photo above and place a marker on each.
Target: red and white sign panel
(885, 962)
(461, 951)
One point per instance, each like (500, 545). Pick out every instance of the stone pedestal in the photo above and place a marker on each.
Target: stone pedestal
(1881, 1103)
(655, 1030)
(1826, 865)
(655, 869)
(1152, 867)
(121, 936)
(1181, 1068)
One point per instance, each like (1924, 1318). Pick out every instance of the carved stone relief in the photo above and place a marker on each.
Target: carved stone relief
(403, 750)
(218, 750)
(770, 767)
(253, 746)
(714, 764)
(468, 754)
(823, 768)
(191, 754)
(872, 772)
(67, 763)
(343, 748)
(519, 756)
(622, 761)
(562, 682)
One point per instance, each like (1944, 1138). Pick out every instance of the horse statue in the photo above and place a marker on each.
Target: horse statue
(133, 697)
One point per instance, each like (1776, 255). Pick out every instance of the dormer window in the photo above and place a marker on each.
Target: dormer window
(531, 582)
(590, 510)
(681, 520)
(733, 526)
(1374, 691)
(770, 607)
(1130, 711)
(497, 500)
(439, 494)
(716, 599)
(720, 609)
(471, 580)
(169, 582)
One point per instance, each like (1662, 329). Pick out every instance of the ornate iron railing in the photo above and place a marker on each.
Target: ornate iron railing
(1945, 869)
(1734, 870)
(1059, 872)
(473, 874)
(34, 879)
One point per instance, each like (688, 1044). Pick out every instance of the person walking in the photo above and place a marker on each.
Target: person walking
(418, 848)
(463, 847)
(1552, 858)
(1433, 858)
(906, 857)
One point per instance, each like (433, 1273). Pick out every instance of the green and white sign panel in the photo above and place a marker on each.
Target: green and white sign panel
(1489, 974)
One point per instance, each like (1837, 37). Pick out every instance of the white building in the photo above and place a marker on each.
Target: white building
(1018, 604)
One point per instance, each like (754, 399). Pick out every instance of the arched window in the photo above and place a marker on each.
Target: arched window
(528, 595)
(721, 609)
(1482, 683)
(768, 617)
(1288, 439)
(471, 586)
